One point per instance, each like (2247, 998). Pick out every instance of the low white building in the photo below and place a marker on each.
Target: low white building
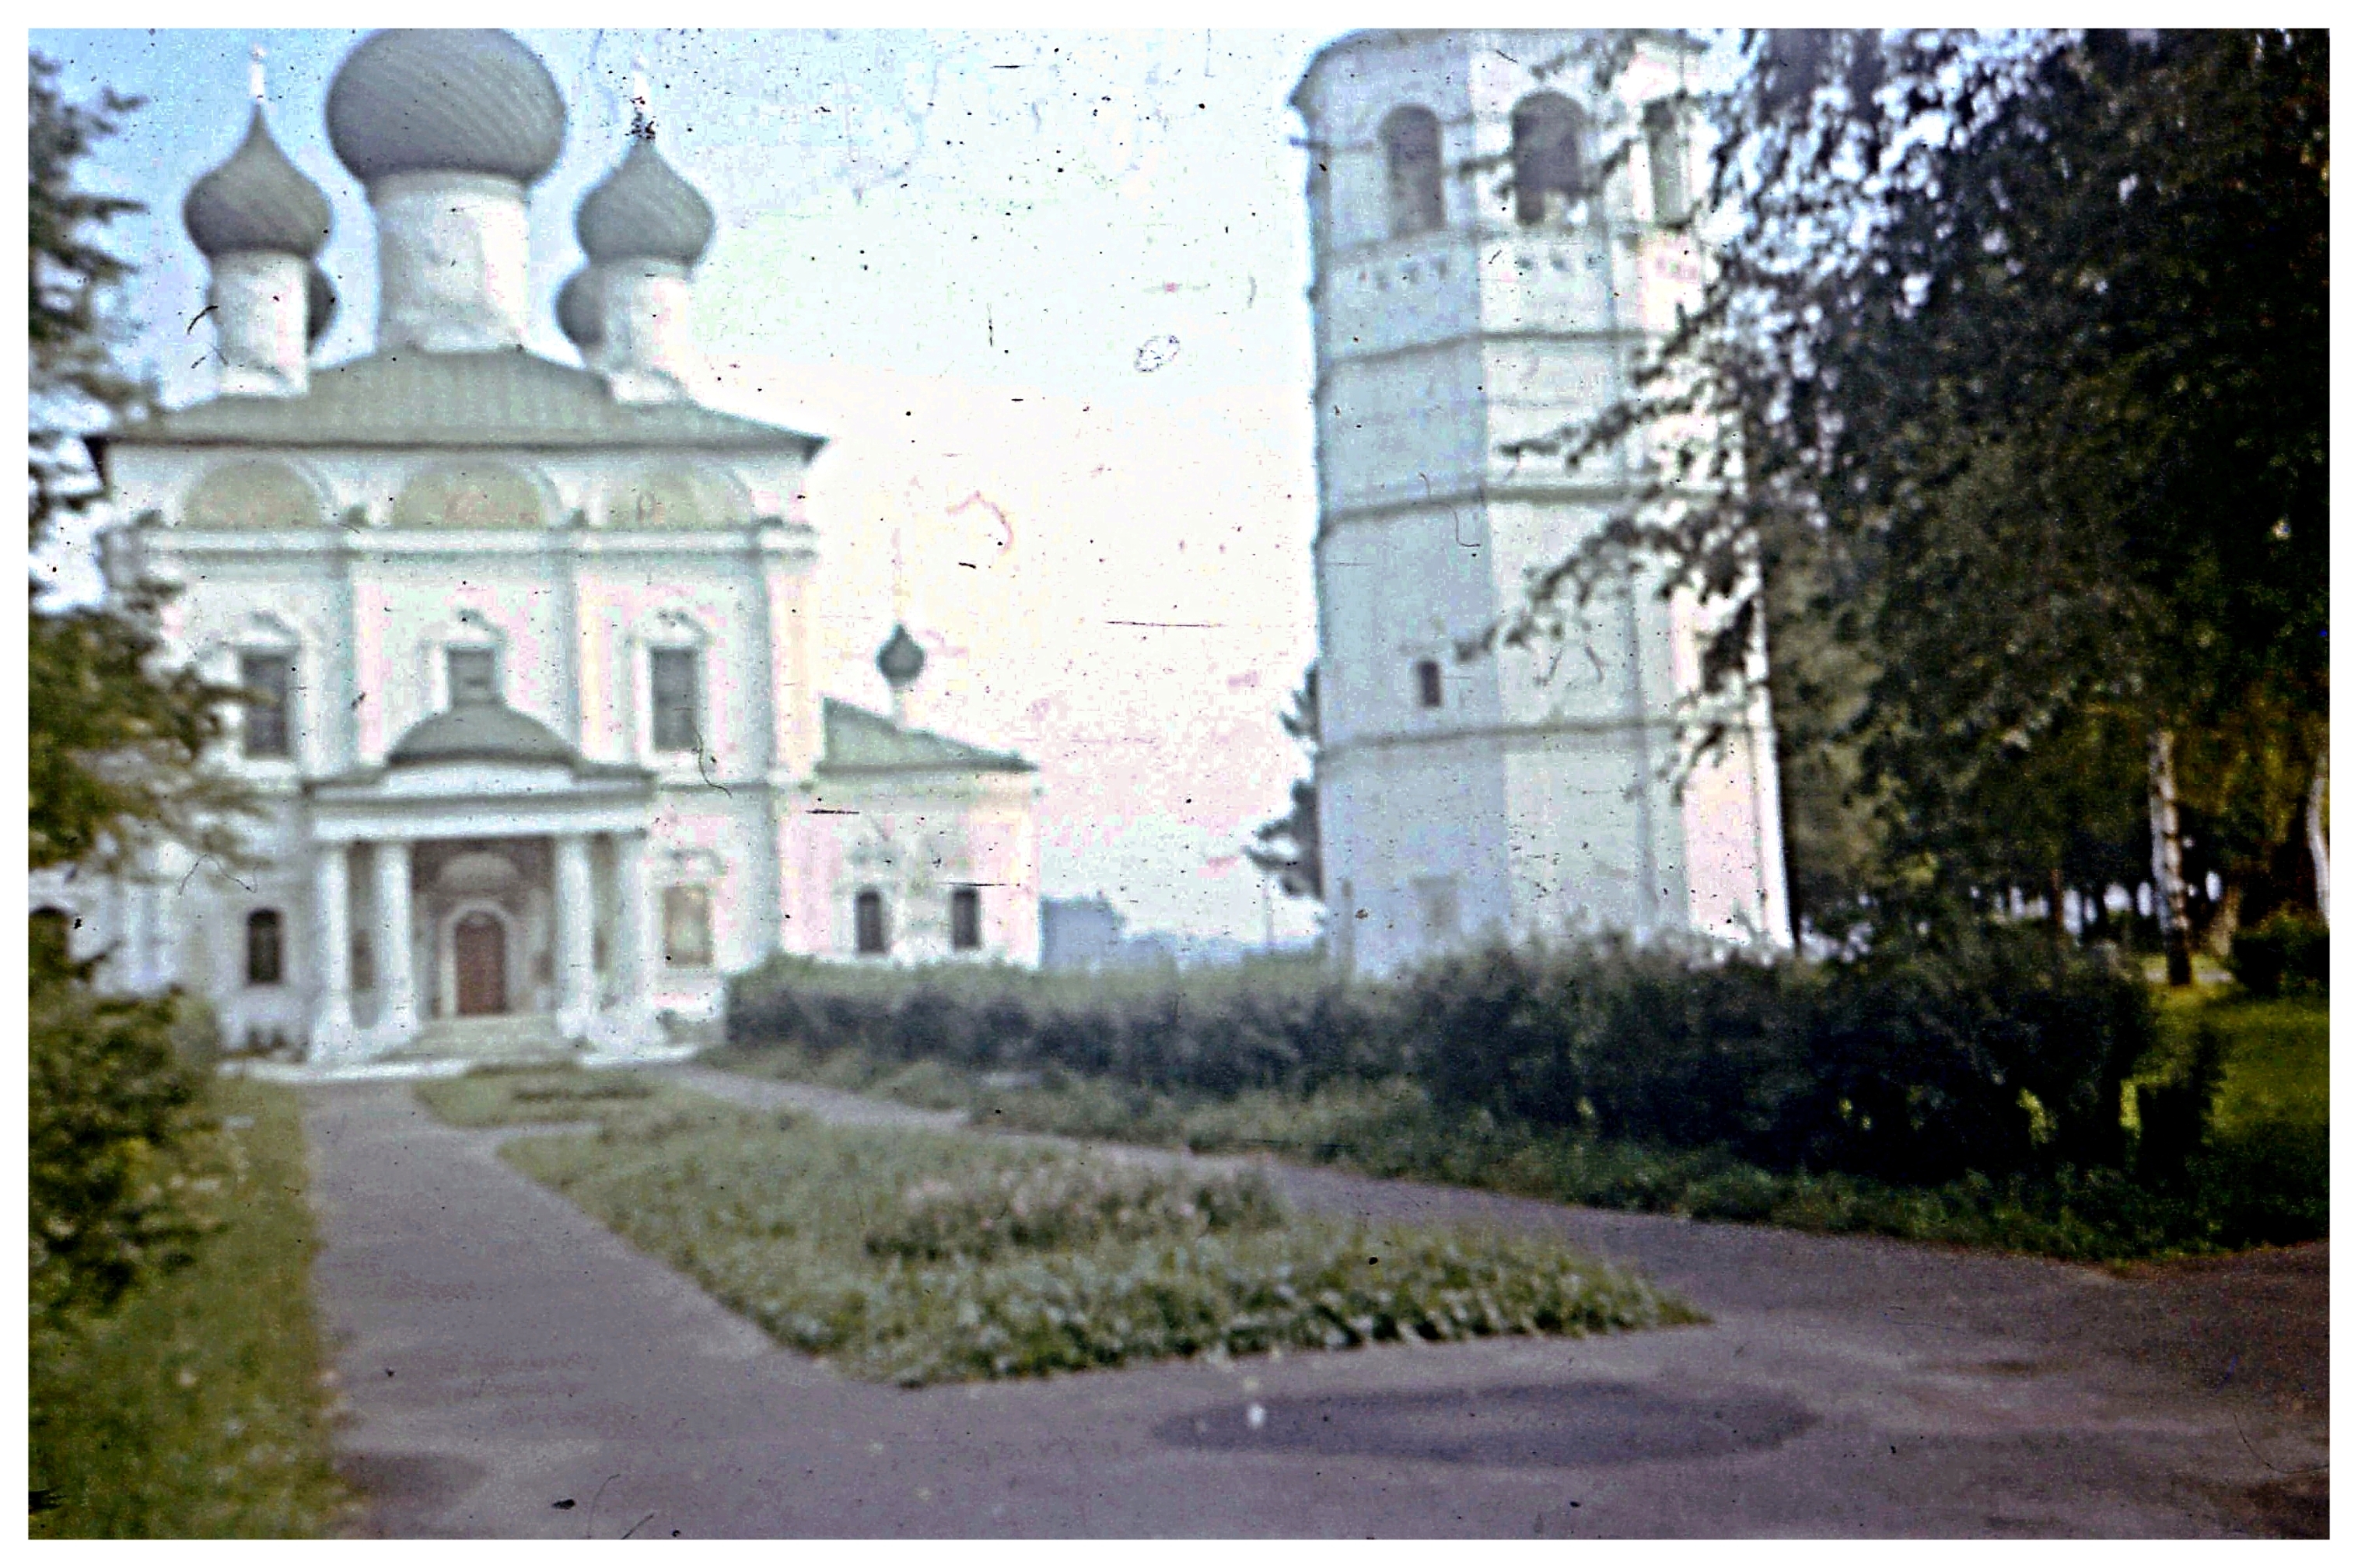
(1494, 244)
(526, 645)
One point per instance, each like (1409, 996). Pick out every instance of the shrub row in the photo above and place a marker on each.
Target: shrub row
(2002, 1054)
(2285, 952)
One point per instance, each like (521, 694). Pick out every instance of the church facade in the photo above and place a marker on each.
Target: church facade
(1495, 239)
(525, 646)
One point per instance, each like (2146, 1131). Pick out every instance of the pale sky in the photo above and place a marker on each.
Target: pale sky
(1044, 293)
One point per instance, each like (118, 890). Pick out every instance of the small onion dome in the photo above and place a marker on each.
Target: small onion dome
(900, 659)
(319, 305)
(257, 201)
(644, 211)
(581, 309)
(429, 99)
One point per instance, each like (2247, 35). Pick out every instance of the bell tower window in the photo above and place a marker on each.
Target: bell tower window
(1547, 158)
(1411, 139)
(1428, 683)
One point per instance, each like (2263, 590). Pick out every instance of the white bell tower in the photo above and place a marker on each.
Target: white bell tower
(1486, 270)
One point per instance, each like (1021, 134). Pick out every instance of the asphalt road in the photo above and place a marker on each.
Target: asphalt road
(514, 1369)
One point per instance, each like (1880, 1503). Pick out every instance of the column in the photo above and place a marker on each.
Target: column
(396, 978)
(577, 979)
(331, 1014)
(630, 927)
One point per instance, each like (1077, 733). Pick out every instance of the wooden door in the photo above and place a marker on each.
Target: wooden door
(482, 960)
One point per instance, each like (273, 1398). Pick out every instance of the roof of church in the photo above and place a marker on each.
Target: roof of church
(859, 741)
(490, 399)
(488, 733)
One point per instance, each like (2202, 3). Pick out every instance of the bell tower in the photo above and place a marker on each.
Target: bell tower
(1495, 234)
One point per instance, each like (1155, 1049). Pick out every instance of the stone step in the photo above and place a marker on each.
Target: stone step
(507, 1037)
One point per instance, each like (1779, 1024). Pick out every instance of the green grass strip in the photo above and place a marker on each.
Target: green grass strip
(920, 1258)
(198, 1407)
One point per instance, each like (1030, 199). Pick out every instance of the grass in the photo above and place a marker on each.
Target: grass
(2261, 1179)
(509, 1097)
(920, 1258)
(201, 1406)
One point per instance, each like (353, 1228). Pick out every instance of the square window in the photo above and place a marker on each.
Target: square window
(673, 682)
(474, 675)
(965, 919)
(269, 681)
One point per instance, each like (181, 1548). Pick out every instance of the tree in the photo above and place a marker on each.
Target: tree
(2019, 344)
(115, 747)
(116, 740)
(1287, 847)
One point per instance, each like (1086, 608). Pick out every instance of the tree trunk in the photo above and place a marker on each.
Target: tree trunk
(2056, 925)
(2169, 882)
(2317, 835)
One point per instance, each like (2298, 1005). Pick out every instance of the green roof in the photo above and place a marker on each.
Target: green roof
(859, 741)
(477, 400)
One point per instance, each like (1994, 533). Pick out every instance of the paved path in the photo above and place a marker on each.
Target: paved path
(517, 1370)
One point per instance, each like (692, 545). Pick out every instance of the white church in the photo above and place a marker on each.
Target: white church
(526, 645)
(1493, 241)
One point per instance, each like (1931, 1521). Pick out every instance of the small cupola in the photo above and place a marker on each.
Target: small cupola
(260, 222)
(901, 661)
(645, 228)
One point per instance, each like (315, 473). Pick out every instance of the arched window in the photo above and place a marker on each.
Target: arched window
(688, 927)
(258, 494)
(469, 495)
(266, 948)
(1547, 158)
(1413, 170)
(868, 933)
(965, 919)
(675, 693)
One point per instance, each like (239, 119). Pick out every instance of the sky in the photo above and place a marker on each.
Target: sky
(1044, 293)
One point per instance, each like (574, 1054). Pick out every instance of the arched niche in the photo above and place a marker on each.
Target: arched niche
(679, 495)
(255, 494)
(470, 495)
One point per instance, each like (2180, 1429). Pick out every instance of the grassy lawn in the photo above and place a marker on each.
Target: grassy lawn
(200, 1408)
(2262, 1179)
(920, 1258)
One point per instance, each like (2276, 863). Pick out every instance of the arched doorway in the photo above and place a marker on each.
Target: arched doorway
(479, 951)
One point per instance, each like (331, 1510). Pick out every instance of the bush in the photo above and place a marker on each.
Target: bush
(1999, 1053)
(2285, 951)
(113, 1135)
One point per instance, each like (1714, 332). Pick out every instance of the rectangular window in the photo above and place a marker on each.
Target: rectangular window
(1666, 157)
(264, 959)
(965, 919)
(474, 675)
(868, 932)
(269, 681)
(1436, 907)
(672, 677)
(1428, 683)
(687, 928)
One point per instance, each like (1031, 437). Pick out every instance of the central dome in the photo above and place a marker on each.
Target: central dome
(480, 732)
(417, 100)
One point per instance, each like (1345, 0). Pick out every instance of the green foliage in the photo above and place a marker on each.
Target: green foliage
(200, 1407)
(2012, 363)
(1910, 1064)
(1287, 847)
(114, 1128)
(513, 1097)
(867, 1247)
(2286, 951)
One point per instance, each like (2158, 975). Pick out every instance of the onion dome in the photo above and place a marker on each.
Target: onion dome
(432, 100)
(257, 201)
(900, 659)
(644, 211)
(581, 310)
(319, 304)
